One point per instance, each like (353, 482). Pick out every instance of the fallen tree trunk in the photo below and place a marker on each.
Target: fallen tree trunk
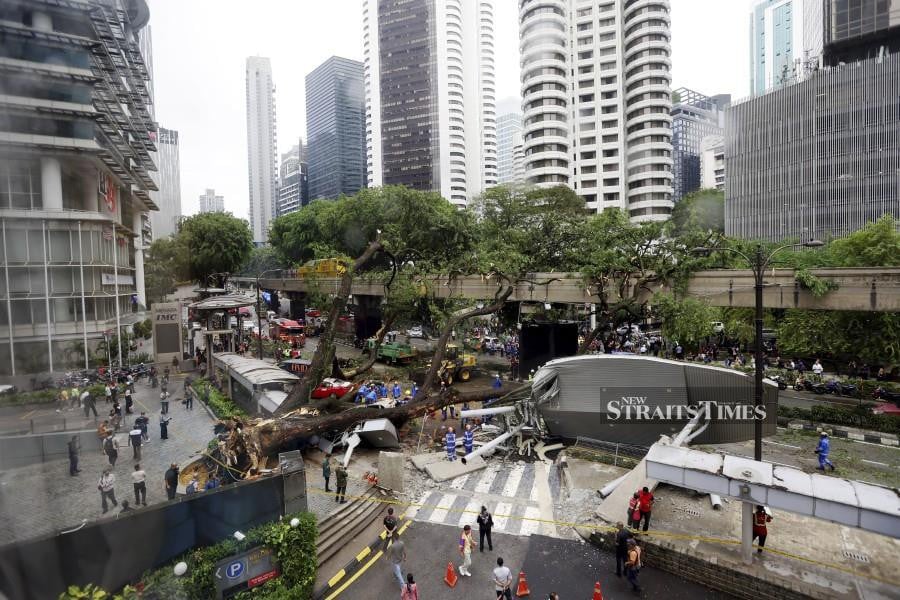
(250, 443)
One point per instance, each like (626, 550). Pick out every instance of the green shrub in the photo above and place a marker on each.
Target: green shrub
(858, 416)
(21, 398)
(221, 405)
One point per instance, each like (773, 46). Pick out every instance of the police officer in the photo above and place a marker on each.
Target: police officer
(341, 490)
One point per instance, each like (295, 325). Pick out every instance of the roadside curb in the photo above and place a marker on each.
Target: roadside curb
(850, 433)
(355, 563)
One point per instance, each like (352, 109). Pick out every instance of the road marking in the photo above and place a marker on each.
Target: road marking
(440, 512)
(337, 577)
(780, 444)
(485, 481)
(531, 524)
(503, 509)
(512, 482)
(28, 414)
(362, 554)
(355, 576)
(459, 482)
(466, 517)
(875, 462)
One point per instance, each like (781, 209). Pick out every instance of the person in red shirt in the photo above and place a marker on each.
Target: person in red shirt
(760, 518)
(645, 504)
(634, 510)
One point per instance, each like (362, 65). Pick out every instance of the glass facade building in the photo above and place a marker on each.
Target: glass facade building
(858, 29)
(510, 151)
(335, 128)
(77, 140)
(165, 220)
(816, 159)
(785, 42)
(262, 142)
(694, 117)
(293, 181)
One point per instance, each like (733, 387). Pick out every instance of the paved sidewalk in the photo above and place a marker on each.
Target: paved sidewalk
(43, 499)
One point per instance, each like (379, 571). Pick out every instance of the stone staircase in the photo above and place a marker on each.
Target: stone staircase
(344, 524)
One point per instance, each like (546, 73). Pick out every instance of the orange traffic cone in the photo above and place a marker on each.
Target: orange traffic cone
(522, 590)
(450, 578)
(598, 593)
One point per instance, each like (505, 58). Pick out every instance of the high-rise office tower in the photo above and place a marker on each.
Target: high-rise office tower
(262, 160)
(335, 128)
(293, 184)
(712, 162)
(209, 202)
(785, 42)
(76, 164)
(429, 84)
(815, 159)
(510, 149)
(596, 100)
(860, 29)
(165, 221)
(694, 117)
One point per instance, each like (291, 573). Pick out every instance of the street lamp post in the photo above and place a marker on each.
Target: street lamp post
(758, 264)
(259, 351)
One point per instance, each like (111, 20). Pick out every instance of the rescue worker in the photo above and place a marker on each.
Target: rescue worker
(450, 441)
(760, 518)
(468, 439)
(371, 396)
(823, 449)
(362, 393)
(396, 391)
(382, 391)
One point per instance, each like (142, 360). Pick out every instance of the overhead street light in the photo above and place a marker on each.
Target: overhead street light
(759, 261)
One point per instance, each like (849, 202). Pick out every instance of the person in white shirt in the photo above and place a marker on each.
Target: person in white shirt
(502, 580)
(817, 367)
(139, 479)
(106, 486)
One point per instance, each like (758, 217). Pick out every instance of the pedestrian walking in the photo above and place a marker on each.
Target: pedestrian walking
(326, 470)
(164, 402)
(823, 450)
(108, 392)
(106, 486)
(175, 364)
(468, 439)
(73, 456)
(623, 534)
(390, 526)
(466, 545)
(102, 433)
(633, 564)
(485, 524)
(163, 426)
(634, 510)
(111, 447)
(171, 479)
(397, 552)
(502, 580)
(760, 518)
(409, 591)
(139, 481)
(450, 443)
(340, 496)
(89, 404)
(129, 401)
(143, 423)
(645, 503)
(134, 440)
(164, 384)
(189, 399)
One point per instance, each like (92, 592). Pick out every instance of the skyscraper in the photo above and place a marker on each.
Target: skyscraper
(165, 221)
(510, 151)
(596, 101)
(209, 202)
(694, 117)
(785, 42)
(712, 162)
(262, 160)
(76, 164)
(293, 185)
(335, 128)
(815, 159)
(859, 29)
(429, 84)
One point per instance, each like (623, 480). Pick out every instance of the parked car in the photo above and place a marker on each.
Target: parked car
(333, 388)
(8, 390)
(624, 329)
(415, 332)
(718, 326)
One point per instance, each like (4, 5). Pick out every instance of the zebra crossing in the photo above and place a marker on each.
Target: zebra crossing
(510, 491)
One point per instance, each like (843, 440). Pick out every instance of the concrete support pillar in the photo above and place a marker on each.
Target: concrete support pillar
(140, 290)
(51, 183)
(747, 532)
(41, 21)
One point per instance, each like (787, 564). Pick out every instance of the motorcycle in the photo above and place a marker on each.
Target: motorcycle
(805, 385)
(780, 381)
(840, 389)
(881, 393)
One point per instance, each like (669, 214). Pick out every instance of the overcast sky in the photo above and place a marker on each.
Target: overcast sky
(200, 46)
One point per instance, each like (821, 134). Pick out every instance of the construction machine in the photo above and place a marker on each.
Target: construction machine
(456, 366)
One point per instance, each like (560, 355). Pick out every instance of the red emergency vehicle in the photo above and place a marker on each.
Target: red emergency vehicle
(288, 331)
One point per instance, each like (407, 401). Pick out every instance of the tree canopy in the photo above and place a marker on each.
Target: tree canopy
(216, 245)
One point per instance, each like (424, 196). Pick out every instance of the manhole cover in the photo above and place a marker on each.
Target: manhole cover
(856, 556)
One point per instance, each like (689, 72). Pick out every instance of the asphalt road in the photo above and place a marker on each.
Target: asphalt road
(568, 567)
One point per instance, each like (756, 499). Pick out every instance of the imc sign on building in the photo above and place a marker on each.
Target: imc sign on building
(167, 331)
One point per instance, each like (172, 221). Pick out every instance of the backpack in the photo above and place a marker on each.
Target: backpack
(108, 445)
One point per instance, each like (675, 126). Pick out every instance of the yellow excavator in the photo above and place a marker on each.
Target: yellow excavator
(456, 366)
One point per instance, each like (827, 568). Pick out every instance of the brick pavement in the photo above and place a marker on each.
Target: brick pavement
(43, 499)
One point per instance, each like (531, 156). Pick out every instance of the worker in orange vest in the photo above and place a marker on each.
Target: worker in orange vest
(760, 518)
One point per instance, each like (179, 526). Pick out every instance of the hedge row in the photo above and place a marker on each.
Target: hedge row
(221, 405)
(45, 396)
(295, 549)
(858, 416)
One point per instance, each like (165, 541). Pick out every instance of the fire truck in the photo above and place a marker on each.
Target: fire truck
(288, 331)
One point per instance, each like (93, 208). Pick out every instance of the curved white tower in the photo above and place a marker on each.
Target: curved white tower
(596, 98)
(544, 48)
